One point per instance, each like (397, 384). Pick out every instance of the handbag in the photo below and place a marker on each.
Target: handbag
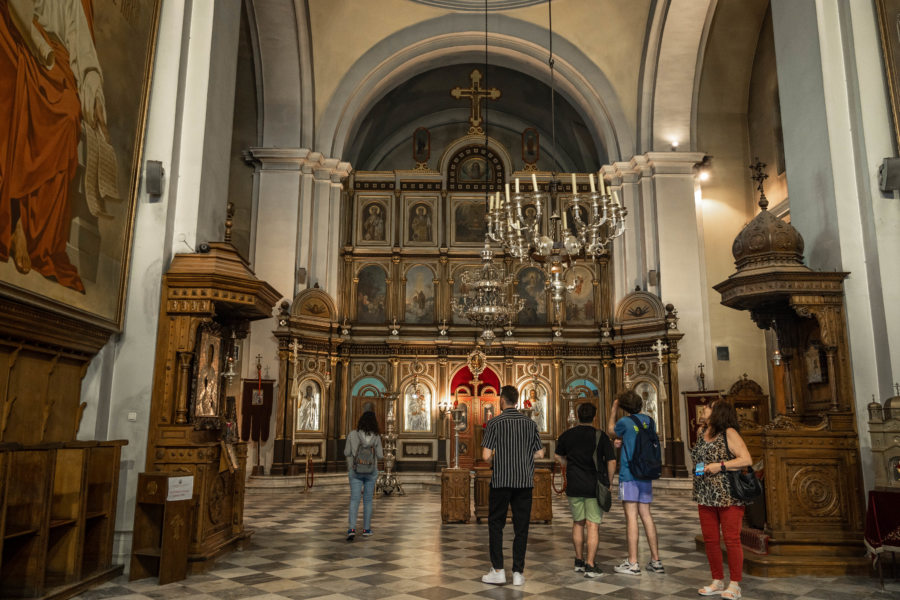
(745, 487)
(604, 496)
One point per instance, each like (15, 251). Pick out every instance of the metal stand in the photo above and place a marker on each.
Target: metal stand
(387, 482)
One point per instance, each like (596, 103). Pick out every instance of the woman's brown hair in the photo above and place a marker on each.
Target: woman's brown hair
(367, 423)
(722, 417)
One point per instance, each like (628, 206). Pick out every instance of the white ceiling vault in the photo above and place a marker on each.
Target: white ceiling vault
(628, 69)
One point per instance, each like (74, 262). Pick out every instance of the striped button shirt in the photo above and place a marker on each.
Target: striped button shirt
(514, 439)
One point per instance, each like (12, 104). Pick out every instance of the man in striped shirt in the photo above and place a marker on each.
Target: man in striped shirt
(511, 443)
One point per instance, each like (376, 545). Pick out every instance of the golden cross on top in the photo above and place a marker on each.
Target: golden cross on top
(760, 175)
(475, 94)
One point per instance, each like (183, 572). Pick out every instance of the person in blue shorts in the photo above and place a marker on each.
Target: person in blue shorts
(635, 494)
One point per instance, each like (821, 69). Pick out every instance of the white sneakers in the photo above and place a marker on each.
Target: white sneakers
(496, 577)
(499, 577)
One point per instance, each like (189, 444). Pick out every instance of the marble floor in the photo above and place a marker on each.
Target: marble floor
(299, 551)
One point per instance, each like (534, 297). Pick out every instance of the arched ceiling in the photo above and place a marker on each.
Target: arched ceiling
(383, 140)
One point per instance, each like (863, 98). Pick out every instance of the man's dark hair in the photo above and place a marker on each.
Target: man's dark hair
(586, 412)
(509, 395)
(630, 402)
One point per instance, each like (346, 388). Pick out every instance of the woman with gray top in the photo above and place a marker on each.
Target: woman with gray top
(363, 451)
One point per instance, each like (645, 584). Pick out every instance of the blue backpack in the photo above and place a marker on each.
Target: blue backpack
(646, 461)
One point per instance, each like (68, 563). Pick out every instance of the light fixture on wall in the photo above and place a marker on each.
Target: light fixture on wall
(703, 168)
(579, 226)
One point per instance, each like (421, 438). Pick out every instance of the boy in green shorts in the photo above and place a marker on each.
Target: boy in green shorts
(575, 450)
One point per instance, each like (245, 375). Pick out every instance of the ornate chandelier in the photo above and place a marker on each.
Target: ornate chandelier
(490, 302)
(578, 226)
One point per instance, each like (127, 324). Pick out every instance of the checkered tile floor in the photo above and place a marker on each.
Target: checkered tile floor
(298, 551)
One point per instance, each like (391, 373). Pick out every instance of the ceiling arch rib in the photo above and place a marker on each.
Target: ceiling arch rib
(432, 43)
(677, 67)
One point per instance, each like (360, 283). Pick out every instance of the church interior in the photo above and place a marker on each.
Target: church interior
(228, 229)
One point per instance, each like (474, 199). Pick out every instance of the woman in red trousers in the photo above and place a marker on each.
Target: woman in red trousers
(720, 448)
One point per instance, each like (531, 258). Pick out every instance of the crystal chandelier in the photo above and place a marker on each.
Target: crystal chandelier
(490, 301)
(578, 226)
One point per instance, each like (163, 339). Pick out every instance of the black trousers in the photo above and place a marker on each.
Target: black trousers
(499, 500)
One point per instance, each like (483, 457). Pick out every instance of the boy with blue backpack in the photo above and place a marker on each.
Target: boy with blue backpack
(640, 463)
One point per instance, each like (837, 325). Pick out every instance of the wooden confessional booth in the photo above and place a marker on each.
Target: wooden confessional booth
(208, 300)
(814, 503)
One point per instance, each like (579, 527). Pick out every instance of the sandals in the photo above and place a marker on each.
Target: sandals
(714, 589)
(732, 593)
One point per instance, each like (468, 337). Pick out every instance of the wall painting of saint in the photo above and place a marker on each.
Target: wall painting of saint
(74, 77)
(531, 289)
(419, 295)
(371, 292)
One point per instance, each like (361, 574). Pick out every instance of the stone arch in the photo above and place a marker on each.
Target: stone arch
(457, 38)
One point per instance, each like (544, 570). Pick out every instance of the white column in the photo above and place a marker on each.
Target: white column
(682, 259)
(837, 128)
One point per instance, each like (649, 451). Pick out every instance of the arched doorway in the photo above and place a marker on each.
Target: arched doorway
(479, 400)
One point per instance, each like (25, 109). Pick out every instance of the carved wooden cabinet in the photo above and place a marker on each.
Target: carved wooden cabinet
(541, 498)
(456, 503)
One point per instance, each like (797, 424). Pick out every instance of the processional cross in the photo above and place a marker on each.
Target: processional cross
(759, 176)
(475, 95)
(660, 348)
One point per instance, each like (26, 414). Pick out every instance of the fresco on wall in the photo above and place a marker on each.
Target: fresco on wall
(370, 295)
(419, 295)
(74, 76)
(580, 301)
(420, 223)
(531, 289)
(469, 224)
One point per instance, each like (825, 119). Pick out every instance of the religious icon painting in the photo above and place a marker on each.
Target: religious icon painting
(417, 408)
(373, 221)
(536, 396)
(475, 169)
(208, 365)
(419, 295)
(74, 80)
(308, 394)
(531, 289)
(420, 224)
(469, 222)
(648, 393)
(421, 145)
(371, 293)
(580, 300)
(531, 146)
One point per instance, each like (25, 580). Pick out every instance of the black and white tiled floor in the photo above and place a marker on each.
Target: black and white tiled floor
(298, 551)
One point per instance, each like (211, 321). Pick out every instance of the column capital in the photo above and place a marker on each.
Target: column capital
(298, 159)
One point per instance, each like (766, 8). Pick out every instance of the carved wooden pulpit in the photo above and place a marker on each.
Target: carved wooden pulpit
(813, 485)
(208, 299)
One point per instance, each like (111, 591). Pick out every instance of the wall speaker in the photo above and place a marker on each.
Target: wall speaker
(889, 175)
(153, 177)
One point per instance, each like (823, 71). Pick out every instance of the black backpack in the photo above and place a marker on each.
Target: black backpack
(646, 461)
